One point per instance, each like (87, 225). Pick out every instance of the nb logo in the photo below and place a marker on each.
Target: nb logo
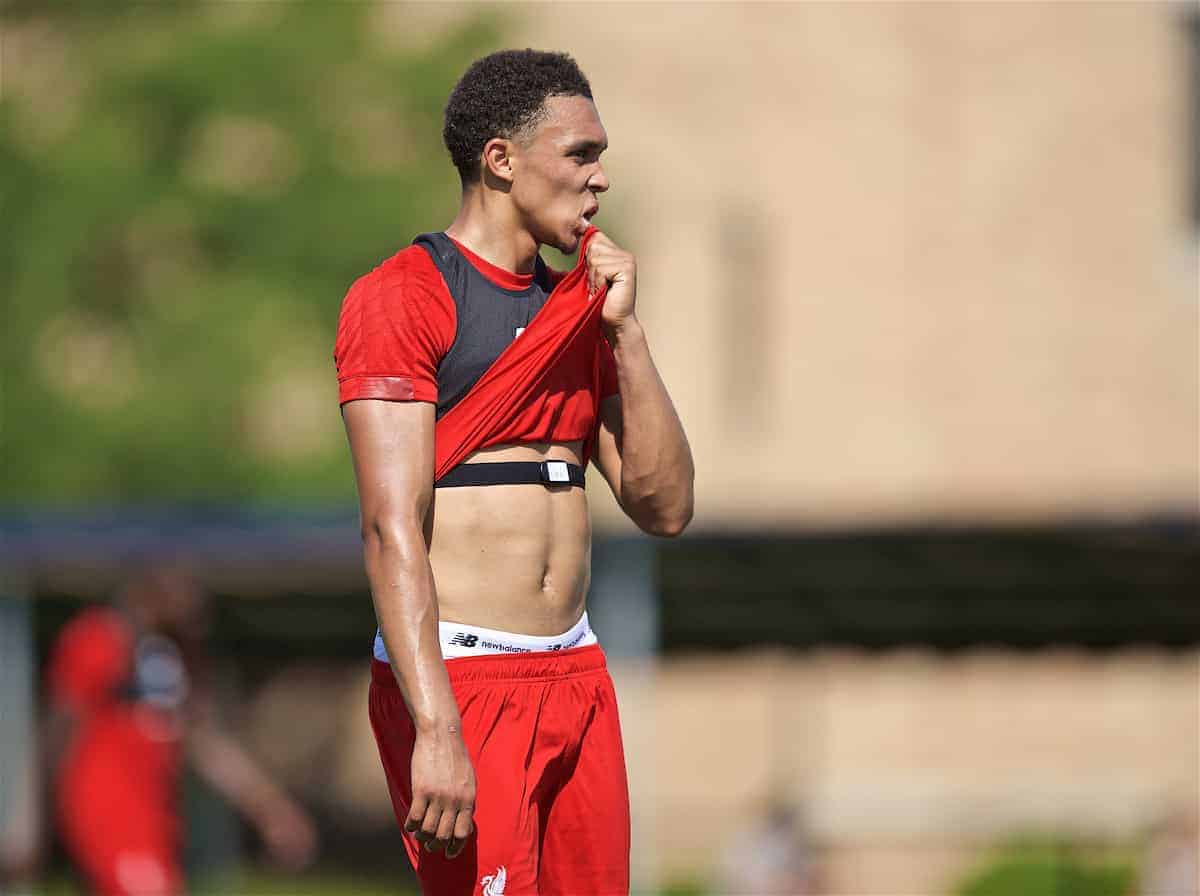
(462, 639)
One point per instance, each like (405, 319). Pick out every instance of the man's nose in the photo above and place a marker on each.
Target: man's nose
(598, 182)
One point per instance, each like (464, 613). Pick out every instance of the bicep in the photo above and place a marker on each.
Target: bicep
(392, 445)
(608, 444)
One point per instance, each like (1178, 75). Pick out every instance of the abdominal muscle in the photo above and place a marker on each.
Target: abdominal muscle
(512, 557)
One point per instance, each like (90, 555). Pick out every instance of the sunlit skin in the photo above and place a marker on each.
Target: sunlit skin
(540, 188)
(516, 557)
(508, 557)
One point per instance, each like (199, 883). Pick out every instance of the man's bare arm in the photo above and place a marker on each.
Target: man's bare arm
(285, 828)
(392, 444)
(642, 449)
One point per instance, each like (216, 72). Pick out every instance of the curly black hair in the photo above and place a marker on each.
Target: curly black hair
(503, 95)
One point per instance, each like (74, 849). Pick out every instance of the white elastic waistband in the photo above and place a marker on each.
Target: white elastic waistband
(459, 639)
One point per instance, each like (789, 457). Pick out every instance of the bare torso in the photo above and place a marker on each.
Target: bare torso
(512, 557)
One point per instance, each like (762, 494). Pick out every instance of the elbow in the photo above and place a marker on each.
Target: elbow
(373, 530)
(387, 529)
(670, 525)
(665, 513)
(665, 530)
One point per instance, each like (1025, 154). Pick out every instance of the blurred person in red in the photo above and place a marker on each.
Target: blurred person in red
(475, 386)
(128, 703)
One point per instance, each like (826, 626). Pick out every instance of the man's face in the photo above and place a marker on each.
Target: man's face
(557, 174)
(182, 605)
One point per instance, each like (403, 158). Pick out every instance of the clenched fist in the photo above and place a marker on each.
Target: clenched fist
(608, 263)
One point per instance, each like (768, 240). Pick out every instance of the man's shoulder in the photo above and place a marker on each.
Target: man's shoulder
(412, 264)
(409, 275)
(95, 629)
(98, 620)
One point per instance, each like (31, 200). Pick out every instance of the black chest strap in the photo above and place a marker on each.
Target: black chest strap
(515, 472)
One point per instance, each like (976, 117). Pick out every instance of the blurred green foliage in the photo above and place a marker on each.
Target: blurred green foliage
(685, 888)
(186, 192)
(1038, 868)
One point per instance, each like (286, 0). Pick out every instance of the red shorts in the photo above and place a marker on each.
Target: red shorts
(552, 800)
(116, 809)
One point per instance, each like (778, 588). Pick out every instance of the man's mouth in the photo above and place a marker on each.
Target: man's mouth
(585, 219)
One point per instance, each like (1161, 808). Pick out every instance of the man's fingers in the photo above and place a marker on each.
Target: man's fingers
(445, 830)
(599, 240)
(438, 829)
(600, 274)
(464, 825)
(416, 813)
(423, 827)
(433, 816)
(593, 288)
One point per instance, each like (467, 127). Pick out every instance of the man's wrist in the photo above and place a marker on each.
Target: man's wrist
(627, 330)
(439, 726)
(264, 804)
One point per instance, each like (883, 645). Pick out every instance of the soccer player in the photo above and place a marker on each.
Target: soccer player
(128, 702)
(490, 700)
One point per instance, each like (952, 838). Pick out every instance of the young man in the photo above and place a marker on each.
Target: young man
(128, 701)
(473, 394)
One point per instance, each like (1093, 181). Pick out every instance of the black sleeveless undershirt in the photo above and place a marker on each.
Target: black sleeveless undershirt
(488, 317)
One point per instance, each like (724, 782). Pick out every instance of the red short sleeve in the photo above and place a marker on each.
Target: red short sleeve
(608, 371)
(90, 660)
(396, 325)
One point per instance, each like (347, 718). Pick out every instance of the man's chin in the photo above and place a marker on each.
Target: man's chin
(570, 245)
(565, 241)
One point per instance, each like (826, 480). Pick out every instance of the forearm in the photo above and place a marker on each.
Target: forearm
(282, 823)
(657, 471)
(405, 597)
(230, 771)
(443, 781)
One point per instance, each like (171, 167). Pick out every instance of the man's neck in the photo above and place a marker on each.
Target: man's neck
(487, 225)
(137, 613)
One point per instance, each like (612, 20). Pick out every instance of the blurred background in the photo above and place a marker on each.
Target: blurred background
(922, 281)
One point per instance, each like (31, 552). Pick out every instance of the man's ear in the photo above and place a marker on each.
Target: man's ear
(498, 158)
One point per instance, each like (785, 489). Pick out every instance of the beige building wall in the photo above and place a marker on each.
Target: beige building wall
(908, 765)
(902, 261)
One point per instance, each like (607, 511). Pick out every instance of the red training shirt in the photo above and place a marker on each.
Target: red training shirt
(398, 322)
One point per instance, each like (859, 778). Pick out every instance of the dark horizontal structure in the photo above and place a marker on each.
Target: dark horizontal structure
(286, 579)
(1086, 585)
(249, 553)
